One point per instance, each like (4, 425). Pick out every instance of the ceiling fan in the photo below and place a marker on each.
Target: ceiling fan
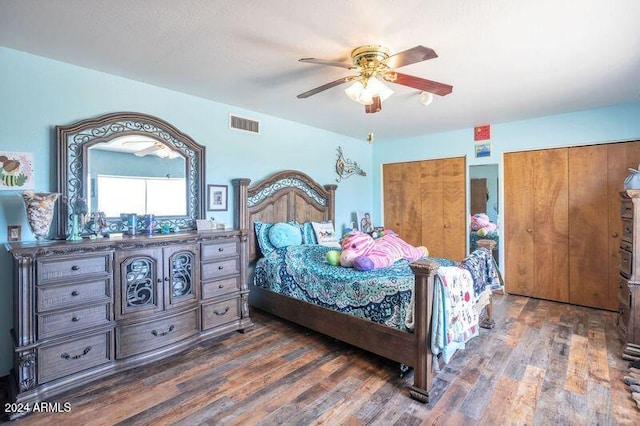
(373, 65)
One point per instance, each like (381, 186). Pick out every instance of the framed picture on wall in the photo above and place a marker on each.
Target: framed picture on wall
(14, 233)
(217, 197)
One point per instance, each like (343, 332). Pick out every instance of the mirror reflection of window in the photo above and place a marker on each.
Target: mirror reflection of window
(122, 194)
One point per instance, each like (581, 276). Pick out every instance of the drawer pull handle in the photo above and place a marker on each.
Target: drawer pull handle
(221, 267)
(69, 357)
(75, 268)
(221, 286)
(75, 319)
(221, 313)
(220, 249)
(75, 293)
(164, 333)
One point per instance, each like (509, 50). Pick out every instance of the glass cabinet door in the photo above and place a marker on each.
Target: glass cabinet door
(181, 273)
(140, 282)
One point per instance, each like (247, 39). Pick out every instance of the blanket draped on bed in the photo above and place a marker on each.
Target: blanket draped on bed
(457, 289)
(380, 295)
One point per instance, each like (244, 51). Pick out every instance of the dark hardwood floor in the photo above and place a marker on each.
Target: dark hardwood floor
(544, 363)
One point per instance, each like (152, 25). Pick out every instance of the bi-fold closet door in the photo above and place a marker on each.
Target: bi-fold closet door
(562, 222)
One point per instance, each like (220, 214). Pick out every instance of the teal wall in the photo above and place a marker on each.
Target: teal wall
(37, 94)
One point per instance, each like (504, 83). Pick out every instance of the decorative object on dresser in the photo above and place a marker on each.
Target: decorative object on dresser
(628, 319)
(87, 309)
(40, 207)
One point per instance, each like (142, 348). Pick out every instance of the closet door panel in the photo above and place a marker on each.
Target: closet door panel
(518, 223)
(403, 200)
(551, 224)
(432, 224)
(588, 239)
(454, 208)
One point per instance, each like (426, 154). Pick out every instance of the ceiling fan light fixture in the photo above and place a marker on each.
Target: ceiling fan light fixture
(364, 93)
(426, 98)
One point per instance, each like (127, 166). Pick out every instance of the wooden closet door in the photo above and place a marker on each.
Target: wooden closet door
(403, 200)
(432, 223)
(589, 238)
(518, 223)
(536, 224)
(453, 172)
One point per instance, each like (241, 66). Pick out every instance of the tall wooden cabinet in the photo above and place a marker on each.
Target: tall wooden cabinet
(425, 202)
(562, 222)
(628, 320)
(88, 309)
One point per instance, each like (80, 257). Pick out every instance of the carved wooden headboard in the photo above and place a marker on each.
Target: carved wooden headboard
(281, 197)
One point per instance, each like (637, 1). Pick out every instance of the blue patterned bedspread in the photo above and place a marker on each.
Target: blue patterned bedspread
(302, 272)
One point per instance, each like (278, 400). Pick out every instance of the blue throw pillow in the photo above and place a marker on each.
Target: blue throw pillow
(285, 234)
(308, 234)
(262, 235)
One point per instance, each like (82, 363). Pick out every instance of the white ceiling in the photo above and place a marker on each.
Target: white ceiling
(507, 60)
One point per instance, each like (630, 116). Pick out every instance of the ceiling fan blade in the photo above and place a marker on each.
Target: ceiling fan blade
(376, 106)
(410, 56)
(418, 83)
(151, 150)
(347, 65)
(325, 87)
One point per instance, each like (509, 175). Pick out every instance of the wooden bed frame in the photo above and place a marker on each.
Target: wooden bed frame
(292, 195)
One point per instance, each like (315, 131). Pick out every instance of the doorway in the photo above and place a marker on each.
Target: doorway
(483, 200)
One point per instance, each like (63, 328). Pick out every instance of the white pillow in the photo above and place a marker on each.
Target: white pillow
(326, 234)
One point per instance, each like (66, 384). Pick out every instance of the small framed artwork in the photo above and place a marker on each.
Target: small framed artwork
(14, 233)
(365, 223)
(217, 197)
(483, 149)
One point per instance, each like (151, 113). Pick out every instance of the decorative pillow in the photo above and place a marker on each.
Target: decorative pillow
(308, 234)
(262, 234)
(285, 234)
(326, 234)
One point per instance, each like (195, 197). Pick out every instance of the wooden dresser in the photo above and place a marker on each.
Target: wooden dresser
(628, 319)
(87, 309)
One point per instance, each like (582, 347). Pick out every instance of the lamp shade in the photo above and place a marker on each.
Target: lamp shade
(364, 93)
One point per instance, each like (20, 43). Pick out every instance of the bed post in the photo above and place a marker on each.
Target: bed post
(423, 369)
(331, 201)
(241, 191)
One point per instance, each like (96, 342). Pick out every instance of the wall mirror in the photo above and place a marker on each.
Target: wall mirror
(483, 198)
(126, 163)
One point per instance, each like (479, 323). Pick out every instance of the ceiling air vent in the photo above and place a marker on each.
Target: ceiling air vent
(244, 124)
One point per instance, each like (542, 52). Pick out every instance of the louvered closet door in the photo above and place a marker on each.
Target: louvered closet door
(454, 208)
(537, 224)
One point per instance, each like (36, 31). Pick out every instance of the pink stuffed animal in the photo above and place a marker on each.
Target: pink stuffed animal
(363, 253)
(480, 221)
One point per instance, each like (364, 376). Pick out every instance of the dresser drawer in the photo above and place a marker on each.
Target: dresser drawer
(62, 296)
(59, 360)
(626, 209)
(626, 245)
(219, 249)
(627, 230)
(622, 321)
(64, 268)
(215, 314)
(218, 288)
(626, 259)
(67, 321)
(137, 338)
(220, 269)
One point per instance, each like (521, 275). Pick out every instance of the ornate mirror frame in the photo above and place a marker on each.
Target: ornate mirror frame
(73, 142)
